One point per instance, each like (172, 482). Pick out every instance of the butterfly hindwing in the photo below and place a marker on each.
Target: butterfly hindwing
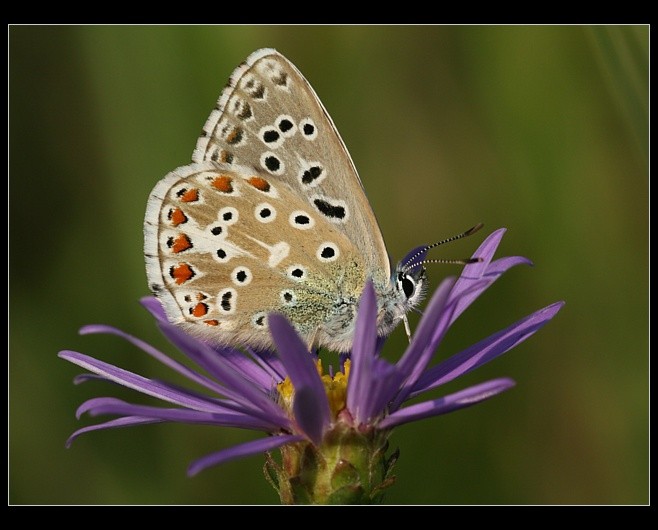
(226, 247)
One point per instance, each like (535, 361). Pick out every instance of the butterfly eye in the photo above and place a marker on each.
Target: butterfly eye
(407, 284)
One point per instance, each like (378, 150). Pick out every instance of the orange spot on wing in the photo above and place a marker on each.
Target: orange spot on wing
(200, 310)
(176, 216)
(211, 322)
(181, 243)
(191, 195)
(223, 183)
(234, 136)
(181, 273)
(259, 183)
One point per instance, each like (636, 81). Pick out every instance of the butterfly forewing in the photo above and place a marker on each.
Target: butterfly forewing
(270, 119)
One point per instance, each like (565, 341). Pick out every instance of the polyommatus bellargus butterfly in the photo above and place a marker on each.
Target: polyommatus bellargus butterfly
(271, 216)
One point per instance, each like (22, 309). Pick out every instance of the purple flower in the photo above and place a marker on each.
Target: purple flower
(308, 414)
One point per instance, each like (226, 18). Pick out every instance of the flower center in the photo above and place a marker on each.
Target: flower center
(335, 386)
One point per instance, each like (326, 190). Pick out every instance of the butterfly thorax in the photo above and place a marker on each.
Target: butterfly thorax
(337, 330)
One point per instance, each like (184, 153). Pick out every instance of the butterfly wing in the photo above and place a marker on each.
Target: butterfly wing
(270, 216)
(224, 247)
(270, 119)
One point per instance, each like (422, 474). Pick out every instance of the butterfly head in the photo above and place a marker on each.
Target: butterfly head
(404, 292)
(409, 277)
(409, 283)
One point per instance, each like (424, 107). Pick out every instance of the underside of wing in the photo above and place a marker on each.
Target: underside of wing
(269, 119)
(225, 247)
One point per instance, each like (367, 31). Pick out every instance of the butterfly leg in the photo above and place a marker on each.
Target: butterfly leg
(407, 329)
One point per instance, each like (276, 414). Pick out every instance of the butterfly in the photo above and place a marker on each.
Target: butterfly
(271, 216)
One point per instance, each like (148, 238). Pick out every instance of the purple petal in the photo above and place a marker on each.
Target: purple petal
(225, 419)
(247, 367)
(227, 405)
(474, 280)
(268, 360)
(153, 305)
(441, 328)
(385, 383)
(112, 424)
(83, 378)
(485, 252)
(305, 408)
(298, 361)
(501, 265)
(464, 293)
(363, 355)
(380, 344)
(239, 451)
(304, 376)
(458, 400)
(428, 347)
(426, 328)
(238, 387)
(417, 354)
(250, 370)
(95, 402)
(485, 350)
(141, 384)
(156, 354)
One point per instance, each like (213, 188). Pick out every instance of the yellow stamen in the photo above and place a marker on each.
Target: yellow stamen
(335, 387)
(286, 392)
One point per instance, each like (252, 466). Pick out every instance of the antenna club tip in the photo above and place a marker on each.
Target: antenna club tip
(474, 229)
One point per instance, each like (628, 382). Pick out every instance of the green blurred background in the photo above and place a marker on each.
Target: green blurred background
(543, 130)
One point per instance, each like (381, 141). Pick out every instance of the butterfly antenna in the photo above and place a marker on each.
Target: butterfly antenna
(411, 264)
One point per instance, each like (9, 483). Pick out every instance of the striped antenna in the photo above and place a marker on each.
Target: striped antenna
(411, 264)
